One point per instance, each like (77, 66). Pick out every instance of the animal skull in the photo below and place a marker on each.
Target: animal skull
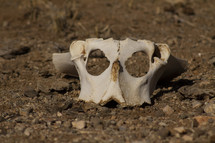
(115, 83)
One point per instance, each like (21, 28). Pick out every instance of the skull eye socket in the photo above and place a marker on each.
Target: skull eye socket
(97, 62)
(138, 64)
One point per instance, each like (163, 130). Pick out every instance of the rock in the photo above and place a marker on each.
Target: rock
(212, 139)
(59, 114)
(183, 116)
(149, 119)
(79, 124)
(43, 86)
(19, 127)
(162, 124)
(58, 122)
(212, 60)
(196, 104)
(168, 110)
(67, 124)
(187, 138)
(5, 24)
(3, 131)
(27, 131)
(195, 92)
(60, 86)
(163, 133)
(122, 128)
(188, 10)
(66, 105)
(12, 52)
(180, 129)
(210, 108)
(30, 93)
(89, 106)
(199, 132)
(204, 83)
(97, 123)
(25, 111)
(174, 2)
(159, 113)
(202, 120)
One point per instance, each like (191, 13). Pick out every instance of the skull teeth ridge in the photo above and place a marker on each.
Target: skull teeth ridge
(115, 82)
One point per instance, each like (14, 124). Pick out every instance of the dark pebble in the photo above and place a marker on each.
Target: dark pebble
(212, 139)
(31, 93)
(163, 133)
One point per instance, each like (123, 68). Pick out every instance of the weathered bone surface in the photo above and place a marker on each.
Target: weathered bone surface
(115, 83)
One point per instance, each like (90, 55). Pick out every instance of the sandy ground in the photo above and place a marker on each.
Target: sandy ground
(38, 104)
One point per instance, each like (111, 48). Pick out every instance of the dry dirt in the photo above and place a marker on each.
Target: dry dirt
(38, 104)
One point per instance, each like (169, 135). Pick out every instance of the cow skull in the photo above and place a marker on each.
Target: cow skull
(115, 83)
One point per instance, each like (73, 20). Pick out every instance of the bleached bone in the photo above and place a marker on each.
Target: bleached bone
(63, 63)
(115, 83)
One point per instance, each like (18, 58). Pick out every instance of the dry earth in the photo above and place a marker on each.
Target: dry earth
(38, 104)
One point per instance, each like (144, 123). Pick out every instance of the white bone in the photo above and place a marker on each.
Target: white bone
(115, 83)
(63, 63)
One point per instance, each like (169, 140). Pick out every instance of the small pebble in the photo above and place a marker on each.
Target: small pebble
(30, 93)
(212, 139)
(60, 86)
(59, 114)
(58, 122)
(67, 124)
(168, 110)
(187, 138)
(27, 132)
(79, 124)
(196, 104)
(180, 129)
(210, 108)
(163, 133)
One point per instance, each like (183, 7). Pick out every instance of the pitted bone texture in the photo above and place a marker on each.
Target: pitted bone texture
(115, 83)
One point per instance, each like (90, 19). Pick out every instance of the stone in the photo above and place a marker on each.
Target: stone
(79, 124)
(168, 110)
(12, 52)
(163, 133)
(210, 108)
(66, 105)
(58, 122)
(202, 120)
(60, 86)
(162, 124)
(67, 124)
(59, 114)
(212, 60)
(187, 138)
(180, 129)
(193, 92)
(19, 127)
(25, 111)
(30, 93)
(27, 131)
(43, 86)
(212, 139)
(97, 123)
(159, 113)
(122, 128)
(196, 104)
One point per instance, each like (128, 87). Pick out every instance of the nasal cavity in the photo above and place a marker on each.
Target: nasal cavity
(97, 62)
(138, 64)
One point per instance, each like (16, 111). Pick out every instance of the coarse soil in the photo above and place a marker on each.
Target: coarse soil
(39, 104)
